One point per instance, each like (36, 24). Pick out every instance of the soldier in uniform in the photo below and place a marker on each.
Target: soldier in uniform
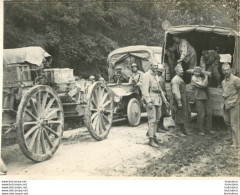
(202, 100)
(231, 103)
(210, 61)
(118, 77)
(161, 128)
(136, 76)
(188, 55)
(151, 91)
(181, 110)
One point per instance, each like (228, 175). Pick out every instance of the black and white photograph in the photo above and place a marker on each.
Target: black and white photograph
(120, 89)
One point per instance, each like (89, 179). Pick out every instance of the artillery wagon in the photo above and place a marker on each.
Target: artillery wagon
(36, 99)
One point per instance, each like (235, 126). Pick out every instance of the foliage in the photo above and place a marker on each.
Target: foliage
(80, 34)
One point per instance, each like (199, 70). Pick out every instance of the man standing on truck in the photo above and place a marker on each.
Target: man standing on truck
(210, 61)
(181, 110)
(188, 55)
(136, 76)
(202, 101)
(151, 94)
(231, 104)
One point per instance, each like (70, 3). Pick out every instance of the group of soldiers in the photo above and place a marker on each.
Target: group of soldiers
(209, 60)
(154, 96)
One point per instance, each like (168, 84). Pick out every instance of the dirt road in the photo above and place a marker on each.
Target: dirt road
(126, 153)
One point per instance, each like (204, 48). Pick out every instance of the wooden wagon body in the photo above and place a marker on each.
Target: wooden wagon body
(37, 99)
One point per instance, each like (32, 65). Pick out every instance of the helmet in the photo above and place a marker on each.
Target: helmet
(118, 68)
(91, 78)
(101, 79)
(133, 64)
(160, 68)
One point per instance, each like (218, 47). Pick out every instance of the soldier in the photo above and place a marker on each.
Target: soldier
(210, 61)
(151, 91)
(161, 128)
(92, 79)
(136, 76)
(231, 103)
(188, 55)
(118, 77)
(181, 110)
(202, 101)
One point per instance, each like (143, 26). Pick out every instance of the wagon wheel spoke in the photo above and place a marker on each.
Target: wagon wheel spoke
(104, 98)
(44, 101)
(94, 116)
(48, 139)
(106, 104)
(49, 106)
(105, 118)
(38, 142)
(108, 111)
(30, 114)
(30, 123)
(93, 103)
(52, 131)
(33, 140)
(30, 131)
(97, 126)
(102, 125)
(52, 113)
(39, 107)
(94, 122)
(55, 122)
(33, 107)
(43, 143)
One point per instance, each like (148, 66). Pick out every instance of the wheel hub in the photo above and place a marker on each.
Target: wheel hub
(43, 122)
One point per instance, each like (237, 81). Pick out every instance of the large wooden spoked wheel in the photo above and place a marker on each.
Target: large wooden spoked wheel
(134, 112)
(40, 121)
(99, 111)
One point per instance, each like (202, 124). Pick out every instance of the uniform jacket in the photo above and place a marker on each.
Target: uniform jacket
(151, 88)
(231, 92)
(186, 51)
(180, 96)
(200, 87)
(136, 78)
(212, 59)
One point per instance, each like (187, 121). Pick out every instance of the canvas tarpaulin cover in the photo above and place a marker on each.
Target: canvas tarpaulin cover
(124, 57)
(32, 55)
(175, 30)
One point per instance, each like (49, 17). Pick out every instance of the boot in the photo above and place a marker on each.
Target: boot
(180, 134)
(155, 139)
(152, 143)
(161, 127)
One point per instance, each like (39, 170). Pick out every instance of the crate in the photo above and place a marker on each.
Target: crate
(61, 78)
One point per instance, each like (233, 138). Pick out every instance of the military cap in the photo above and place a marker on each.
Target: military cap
(197, 69)
(178, 67)
(118, 68)
(133, 64)
(160, 68)
(226, 65)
